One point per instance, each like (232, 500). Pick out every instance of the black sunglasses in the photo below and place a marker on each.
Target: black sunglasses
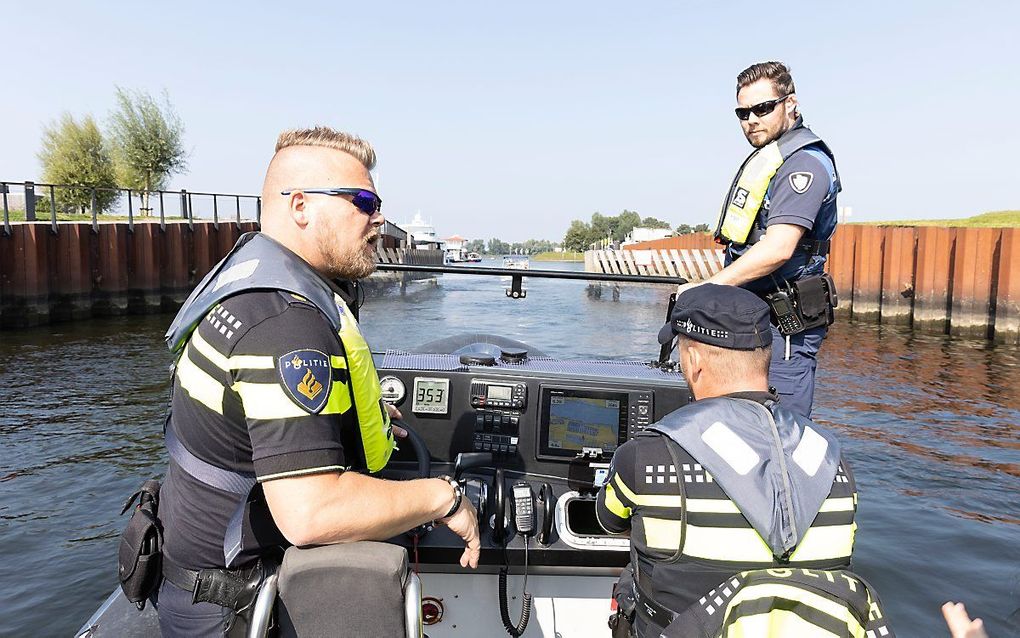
(761, 109)
(364, 200)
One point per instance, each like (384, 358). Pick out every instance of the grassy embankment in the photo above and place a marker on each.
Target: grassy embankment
(554, 256)
(995, 219)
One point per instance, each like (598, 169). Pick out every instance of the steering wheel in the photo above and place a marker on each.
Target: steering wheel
(421, 454)
(421, 451)
(499, 530)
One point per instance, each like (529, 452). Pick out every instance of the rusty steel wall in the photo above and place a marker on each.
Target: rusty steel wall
(75, 273)
(960, 281)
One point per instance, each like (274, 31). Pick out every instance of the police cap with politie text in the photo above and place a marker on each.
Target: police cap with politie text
(724, 316)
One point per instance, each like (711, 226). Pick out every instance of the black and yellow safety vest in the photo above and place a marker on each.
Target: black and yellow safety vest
(785, 602)
(259, 263)
(747, 193)
(757, 487)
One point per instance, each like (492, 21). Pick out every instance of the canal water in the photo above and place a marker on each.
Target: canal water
(931, 426)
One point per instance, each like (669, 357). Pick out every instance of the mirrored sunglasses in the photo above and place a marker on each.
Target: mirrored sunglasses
(364, 200)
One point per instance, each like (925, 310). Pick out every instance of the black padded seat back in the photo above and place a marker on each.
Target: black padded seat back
(349, 589)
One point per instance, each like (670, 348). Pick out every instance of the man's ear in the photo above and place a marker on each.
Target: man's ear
(792, 105)
(694, 362)
(298, 208)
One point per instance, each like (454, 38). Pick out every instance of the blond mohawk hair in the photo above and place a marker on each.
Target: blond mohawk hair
(327, 137)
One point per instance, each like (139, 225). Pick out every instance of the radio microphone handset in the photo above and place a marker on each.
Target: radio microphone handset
(524, 508)
(523, 504)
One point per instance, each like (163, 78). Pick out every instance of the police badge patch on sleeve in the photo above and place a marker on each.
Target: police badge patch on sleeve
(801, 181)
(307, 377)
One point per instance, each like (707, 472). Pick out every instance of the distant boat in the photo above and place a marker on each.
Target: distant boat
(473, 257)
(516, 262)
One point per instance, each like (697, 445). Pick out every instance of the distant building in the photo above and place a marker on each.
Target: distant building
(393, 236)
(422, 234)
(640, 234)
(455, 248)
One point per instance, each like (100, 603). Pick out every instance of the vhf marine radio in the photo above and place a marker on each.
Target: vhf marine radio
(498, 407)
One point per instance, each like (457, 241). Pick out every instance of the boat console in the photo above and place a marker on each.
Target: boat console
(516, 419)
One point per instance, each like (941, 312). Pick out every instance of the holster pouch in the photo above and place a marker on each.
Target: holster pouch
(233, 589)
(140, 556)
(805, 304)
(622, 621)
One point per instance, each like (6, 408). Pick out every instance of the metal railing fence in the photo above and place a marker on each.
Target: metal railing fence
(40, 200)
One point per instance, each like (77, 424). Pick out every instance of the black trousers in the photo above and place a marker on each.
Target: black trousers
(180, 618)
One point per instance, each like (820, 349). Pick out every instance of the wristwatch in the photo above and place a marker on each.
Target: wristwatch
(458, 495)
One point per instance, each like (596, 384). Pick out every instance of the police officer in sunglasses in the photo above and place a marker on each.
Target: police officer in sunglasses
(276, 425)
(776, 222)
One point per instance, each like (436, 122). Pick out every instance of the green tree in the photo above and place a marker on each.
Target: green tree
(578, 236)
(625, 222)
(602, 227)
(702, 228)
(498, 247)
(75, 153)
(684, 229)
(651, 222)
(147, 142)
(475, 246)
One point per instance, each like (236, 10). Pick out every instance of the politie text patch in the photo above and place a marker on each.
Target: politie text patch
(307, 376)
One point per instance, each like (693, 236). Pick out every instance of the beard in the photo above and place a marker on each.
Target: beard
(343, 261)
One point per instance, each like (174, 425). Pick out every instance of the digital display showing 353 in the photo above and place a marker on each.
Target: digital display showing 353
(431, 396)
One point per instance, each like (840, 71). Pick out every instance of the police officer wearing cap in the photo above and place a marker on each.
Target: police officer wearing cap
(776, 223)
(733, 481)
(276, 420)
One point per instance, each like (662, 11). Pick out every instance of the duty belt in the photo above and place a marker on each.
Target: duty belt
(650, 610)
(818, 247)
(231, 588)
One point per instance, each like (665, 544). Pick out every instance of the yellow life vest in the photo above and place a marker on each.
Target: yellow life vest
(747, 193)
(373, 419)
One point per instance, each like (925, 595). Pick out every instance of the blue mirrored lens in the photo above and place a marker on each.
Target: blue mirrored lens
(367, 202)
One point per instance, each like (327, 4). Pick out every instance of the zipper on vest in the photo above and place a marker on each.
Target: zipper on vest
(787, 501)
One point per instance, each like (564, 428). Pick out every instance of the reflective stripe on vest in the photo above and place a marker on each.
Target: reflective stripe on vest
(785, 602)
(374, 421)
(747, 193)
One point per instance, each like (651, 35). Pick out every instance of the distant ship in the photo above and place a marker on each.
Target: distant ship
(516, 262)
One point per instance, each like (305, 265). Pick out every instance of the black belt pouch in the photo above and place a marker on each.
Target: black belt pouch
(815, 300)
(140, 556)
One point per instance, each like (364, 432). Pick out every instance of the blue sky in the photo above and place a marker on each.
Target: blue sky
(512, 119)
